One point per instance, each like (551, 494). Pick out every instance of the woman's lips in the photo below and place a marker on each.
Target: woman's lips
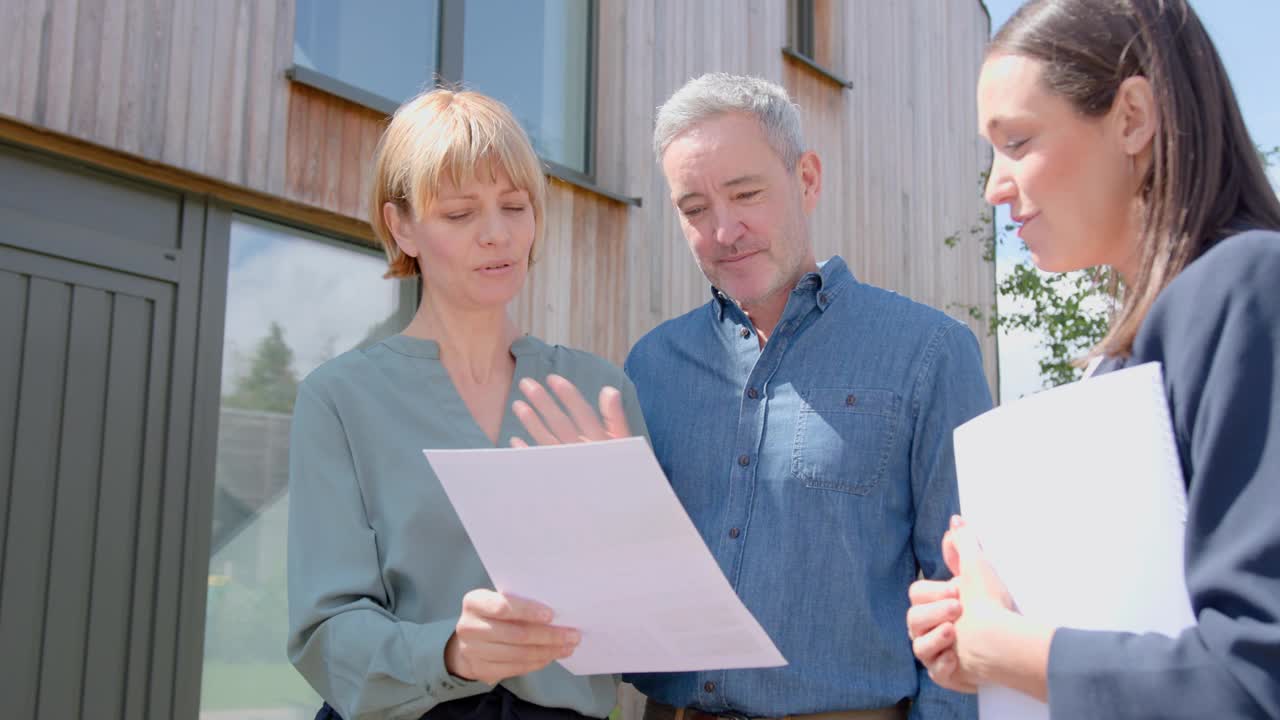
(496, 268)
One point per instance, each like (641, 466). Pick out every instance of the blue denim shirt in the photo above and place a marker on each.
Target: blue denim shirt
(820, 472)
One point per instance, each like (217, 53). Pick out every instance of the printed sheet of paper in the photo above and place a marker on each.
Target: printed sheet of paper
(594, 531)
(1077, 496)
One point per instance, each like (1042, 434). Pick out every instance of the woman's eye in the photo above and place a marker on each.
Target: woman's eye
(1013, 145)
(516, 208)
(458, 215)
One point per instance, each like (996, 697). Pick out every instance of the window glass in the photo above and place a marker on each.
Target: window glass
(534, 56)
(293, 301)
(388, 48)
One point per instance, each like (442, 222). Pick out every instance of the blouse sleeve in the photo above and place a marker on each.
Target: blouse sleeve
(362, 659)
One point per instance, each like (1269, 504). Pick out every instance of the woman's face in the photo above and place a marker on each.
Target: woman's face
(472, 242)
(1069, 184)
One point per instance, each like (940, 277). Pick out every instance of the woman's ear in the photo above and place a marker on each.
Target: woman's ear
(398, 224)
(1136, 114)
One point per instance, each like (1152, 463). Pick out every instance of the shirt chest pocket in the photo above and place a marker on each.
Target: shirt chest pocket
(843, 438)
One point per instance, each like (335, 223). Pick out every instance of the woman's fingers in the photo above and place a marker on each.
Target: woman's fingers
(945, 671)
(533, 424)
(922, 619)
(927, 591)
(930, 645)
(615, 418)
(548, 423)
(555, 419)
(584, 417)
(499, 636)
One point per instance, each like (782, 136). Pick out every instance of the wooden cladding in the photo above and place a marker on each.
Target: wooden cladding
(201, 86)
(577, 291)
(194, 85)
(330, 151)
(901, 159)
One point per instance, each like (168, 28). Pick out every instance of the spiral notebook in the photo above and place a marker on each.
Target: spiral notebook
(1077, 496)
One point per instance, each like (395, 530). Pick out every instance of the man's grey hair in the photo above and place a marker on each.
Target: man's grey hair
(719, 93)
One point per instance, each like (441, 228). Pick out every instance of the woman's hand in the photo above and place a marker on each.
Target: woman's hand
(548, 424)
(500, 636)
(935, 607)
(951, 623)
(983, 640)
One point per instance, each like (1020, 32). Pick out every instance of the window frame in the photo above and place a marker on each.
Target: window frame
(801, 35)
(802, 40)
(451, 25)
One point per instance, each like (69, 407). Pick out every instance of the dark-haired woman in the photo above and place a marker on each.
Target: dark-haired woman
(1118, 141)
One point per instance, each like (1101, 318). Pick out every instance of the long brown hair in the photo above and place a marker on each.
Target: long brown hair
(1206, 179)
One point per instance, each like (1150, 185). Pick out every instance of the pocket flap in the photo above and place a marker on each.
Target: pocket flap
(870, 401)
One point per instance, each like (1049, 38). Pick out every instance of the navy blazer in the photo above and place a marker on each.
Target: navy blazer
(1216, 329)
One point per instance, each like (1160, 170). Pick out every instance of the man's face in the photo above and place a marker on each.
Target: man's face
(743, 213)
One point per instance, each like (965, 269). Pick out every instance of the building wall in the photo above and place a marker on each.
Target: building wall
(195, 85)
(900, 155)
(201, 87)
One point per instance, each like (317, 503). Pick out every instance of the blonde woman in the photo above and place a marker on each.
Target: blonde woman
(391, 613)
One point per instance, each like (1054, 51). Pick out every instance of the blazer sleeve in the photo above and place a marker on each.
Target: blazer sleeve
(1216, 328)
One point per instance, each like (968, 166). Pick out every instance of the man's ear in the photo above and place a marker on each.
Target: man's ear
(809, 170)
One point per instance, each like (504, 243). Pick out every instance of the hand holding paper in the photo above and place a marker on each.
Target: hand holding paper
(935, 608)
(500, 636)
(594, 531)
(1078, 498)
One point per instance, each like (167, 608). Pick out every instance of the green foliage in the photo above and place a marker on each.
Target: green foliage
(270, 384)
(1068, 311)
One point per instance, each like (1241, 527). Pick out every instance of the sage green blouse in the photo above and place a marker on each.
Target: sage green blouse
(378, 560)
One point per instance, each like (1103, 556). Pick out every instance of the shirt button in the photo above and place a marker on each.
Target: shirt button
(734, 533)
(744, 460)
(709, 686)
(822, 298)
(850, 400)
(745, 332)
(753, 393)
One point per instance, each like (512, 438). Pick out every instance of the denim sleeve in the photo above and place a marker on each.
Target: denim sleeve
(631, 407)
(358, 656)
(1217, 331)
(949, 390)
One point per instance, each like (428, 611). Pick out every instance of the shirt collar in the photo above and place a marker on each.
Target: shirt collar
(824, 286)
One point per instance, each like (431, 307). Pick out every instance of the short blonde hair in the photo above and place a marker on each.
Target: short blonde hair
(448, 136)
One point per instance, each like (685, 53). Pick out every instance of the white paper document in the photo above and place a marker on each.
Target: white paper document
(1077, 496)
(594, 531)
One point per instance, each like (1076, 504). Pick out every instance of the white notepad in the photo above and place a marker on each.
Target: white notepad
(1077, 496)
(595, 531)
